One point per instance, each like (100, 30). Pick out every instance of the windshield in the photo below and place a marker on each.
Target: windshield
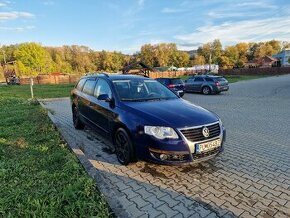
(139, 89)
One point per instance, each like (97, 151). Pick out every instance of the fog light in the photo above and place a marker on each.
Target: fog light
(163, 156)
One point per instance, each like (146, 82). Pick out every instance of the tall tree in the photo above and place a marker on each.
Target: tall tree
(31, 57)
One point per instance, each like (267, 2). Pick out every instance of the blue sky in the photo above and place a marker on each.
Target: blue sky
(125, 25)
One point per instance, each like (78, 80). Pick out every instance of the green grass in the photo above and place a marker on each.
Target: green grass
(40, 91)
(39, 176)
(236, 78)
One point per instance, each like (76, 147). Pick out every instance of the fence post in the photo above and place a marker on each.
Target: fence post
(31, 87)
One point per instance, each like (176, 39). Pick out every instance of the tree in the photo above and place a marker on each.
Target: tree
(198, 60)
(147, 55)
(243, 49)
(232, 53)
(32, 59)
(211, 51)
(179, 59)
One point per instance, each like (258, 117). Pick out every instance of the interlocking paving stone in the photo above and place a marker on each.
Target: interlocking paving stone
(250, 179)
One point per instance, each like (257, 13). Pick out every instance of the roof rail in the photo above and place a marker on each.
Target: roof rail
(96, 74)
(105, 74)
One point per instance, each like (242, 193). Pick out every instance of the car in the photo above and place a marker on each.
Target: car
(175, 84)
(206, 84)
(145, 120)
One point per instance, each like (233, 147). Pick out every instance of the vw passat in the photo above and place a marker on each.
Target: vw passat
(145, 120)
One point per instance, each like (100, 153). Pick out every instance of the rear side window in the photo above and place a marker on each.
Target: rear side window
(89, 87)
(176, 81)
(80, 84)
(198, 79)
(209, 79)
(220, 79)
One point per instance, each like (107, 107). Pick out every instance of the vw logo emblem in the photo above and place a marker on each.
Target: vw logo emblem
(205, 132)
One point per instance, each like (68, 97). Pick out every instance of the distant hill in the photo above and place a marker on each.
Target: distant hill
(191, 52)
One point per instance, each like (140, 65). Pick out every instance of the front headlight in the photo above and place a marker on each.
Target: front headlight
(161, 132)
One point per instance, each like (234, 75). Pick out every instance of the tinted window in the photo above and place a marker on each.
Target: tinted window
(198, 79)
(142, 90)
(163, 81)
(209, 79)
(176, 81)
(190, 80)
(220, 79)
(80, 84)
(102, 87)
(89, 87)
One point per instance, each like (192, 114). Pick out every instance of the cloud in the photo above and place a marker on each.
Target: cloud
(141, 2)
(257, 4)
(14, 15)
(48, 3)
(240, 31)
(17, 29)
(2, 4)
(171, 10)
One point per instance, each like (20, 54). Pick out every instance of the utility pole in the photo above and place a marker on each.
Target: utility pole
(4, 57)
(209, 67)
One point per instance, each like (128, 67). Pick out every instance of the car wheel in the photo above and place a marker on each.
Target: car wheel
(76, 119)
(123, 147)
(206, 90)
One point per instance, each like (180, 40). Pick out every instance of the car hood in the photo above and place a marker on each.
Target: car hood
(176, 113)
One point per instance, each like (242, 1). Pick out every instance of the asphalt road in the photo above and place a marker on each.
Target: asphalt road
(250, 179)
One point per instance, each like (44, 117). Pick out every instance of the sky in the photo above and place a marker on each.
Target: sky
(125, 25)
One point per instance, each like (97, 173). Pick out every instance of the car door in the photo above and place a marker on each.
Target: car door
(197, 84)
(102, 110)
(189, 84)
(85, 99)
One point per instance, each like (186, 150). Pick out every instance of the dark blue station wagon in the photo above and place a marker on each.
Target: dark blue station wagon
(146, 120)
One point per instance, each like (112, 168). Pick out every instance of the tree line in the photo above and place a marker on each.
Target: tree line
(32, 58)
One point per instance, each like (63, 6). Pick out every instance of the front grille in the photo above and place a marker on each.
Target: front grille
(195, 134)
(205, 154)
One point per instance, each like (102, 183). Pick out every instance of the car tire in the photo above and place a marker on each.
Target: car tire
(206, 90)
(124, 147)
(78, 124)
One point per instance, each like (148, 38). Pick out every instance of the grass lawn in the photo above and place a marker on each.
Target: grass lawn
(236, 78)
(39, 176)
(40, 91)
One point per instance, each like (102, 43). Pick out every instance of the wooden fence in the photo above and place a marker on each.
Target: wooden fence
(256, 71)
(51, 79)
(66, 79)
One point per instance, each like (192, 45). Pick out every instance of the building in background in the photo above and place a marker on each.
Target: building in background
(283, 57)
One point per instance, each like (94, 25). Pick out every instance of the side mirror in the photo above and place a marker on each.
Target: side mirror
(185, 81)
(104, 97)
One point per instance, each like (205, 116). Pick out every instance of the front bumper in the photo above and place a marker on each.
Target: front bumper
(181, 151)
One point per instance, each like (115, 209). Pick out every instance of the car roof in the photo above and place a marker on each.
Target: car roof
(208, 76)
(168, 78)
(114, 76)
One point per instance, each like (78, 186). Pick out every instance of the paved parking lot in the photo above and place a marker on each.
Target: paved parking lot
(250, 179)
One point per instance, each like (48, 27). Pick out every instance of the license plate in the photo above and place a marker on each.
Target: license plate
(207, 146)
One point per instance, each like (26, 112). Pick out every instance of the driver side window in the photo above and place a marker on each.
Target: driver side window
(102, 87)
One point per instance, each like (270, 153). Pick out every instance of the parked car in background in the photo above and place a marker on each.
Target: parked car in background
(206, 84)
(175, 84)
(145, 120)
